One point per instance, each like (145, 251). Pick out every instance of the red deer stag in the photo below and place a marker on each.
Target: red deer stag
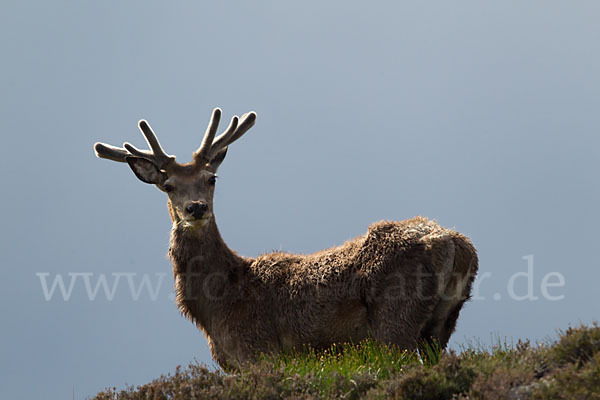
(400, 283)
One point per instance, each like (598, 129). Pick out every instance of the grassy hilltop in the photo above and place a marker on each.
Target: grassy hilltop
(568, 368)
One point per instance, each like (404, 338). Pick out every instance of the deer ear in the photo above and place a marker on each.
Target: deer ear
(218, 158)
(145, 170)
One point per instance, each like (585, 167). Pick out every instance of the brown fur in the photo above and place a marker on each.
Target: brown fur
(400, 283)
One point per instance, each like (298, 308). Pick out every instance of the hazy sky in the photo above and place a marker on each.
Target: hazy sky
(481, 115)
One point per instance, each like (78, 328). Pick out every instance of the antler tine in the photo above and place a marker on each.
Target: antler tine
(205, 148)
(109, 152)
(235, 130)
(224, 139)
(158, 155)
(134, 151)
(247, 121)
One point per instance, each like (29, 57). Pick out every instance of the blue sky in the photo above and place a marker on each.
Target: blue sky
(481, 115)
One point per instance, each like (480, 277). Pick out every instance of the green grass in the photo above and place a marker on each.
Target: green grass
(367, 357)
(341, 365)
(567, 368)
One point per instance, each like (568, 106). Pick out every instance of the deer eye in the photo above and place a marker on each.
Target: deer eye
(212, 180)
(168, 188)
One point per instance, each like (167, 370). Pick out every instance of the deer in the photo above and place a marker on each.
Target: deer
(402, 283)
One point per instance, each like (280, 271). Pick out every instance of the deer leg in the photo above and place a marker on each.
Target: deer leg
(405, 301)
(456, 292)
(404, 334)
(399, 322)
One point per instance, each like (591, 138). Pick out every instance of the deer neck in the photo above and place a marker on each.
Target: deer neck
(206, 271)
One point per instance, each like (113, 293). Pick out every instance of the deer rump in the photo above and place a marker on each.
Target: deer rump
(401, 283)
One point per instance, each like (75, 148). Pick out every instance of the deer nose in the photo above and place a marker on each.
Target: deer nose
(196, 210)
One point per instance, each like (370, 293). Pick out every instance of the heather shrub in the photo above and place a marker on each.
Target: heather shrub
(568, 368)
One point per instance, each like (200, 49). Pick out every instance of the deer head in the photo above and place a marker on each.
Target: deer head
(190, 186)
